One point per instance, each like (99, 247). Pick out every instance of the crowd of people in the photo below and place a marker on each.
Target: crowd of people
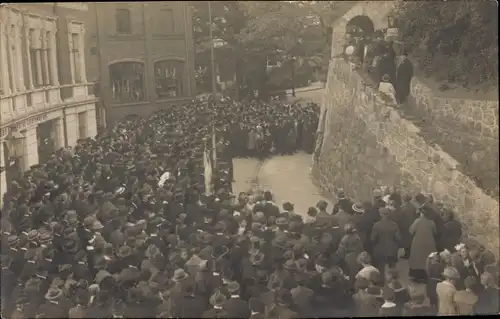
(375, 56)
(121, 226)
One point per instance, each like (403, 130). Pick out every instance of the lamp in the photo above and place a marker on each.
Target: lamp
(11, 140)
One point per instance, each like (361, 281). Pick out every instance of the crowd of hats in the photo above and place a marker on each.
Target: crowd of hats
(93, 234)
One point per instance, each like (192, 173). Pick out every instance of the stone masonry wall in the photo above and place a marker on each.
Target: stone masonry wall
(367, 144)
(466, 129)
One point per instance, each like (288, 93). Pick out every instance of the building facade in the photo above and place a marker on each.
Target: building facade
(46, 101)
(141, 54)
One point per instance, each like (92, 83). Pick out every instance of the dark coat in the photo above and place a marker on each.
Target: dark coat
(452, 234)
(189, 306)
(404, 73)
(236, 308)
(385, 239)
(488, 302)
(408, 214)
(215, 313)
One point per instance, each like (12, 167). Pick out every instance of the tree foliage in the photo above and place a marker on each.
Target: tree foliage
(254, 31)
(455, 41)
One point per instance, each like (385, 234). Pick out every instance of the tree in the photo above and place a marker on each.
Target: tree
(455, 40)
(255, 31)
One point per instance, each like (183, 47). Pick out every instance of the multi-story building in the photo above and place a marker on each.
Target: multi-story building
(46, 101)
(141, 54)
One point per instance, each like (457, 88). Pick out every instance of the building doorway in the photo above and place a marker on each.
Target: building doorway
(47, 139)
(13, 162)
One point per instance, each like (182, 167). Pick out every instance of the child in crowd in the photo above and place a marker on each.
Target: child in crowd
(365, 260)
(466, 299)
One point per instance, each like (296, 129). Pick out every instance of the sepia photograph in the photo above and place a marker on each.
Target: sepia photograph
(249, 159)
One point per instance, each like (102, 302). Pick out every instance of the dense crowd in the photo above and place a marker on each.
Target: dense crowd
(121, 226)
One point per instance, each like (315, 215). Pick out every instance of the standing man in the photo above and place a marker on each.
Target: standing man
(404, 73)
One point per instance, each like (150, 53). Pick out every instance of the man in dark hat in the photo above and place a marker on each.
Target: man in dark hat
(217, 300)
(235, 306)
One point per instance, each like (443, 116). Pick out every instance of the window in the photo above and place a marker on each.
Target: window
(82, 125)
(76, 57)
(167, 15)
(169, 76)
(11, 54)
(123, 23)
(35, 61)
(46, 62)
(127, 82)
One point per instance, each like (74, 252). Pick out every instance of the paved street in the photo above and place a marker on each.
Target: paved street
(286, 176)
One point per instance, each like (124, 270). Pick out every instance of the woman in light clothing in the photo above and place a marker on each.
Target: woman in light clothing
(446, 291)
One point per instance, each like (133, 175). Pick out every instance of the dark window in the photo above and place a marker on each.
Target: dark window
(169, 76)
(123, 21)
(127, 82)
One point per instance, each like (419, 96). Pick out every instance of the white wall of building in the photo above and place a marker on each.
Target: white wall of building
(30, 98)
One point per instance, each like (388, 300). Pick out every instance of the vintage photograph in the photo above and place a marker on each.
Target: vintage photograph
(249, 159)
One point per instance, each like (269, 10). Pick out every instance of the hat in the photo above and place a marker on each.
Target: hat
(233, 287)
(45, 237)
(256, 258)
(196, 261)
(220, 227)
(53, 293)
(358, 208)
(92, 223)
(12, 240)
(152, 251)
(124, 251)
(204, 237)
(179, 274)
(295, 227)
(32, 235)
(383, 211)
(377, 193)
(451, 272)
(217, 298)
(101, 275)
(290, 265)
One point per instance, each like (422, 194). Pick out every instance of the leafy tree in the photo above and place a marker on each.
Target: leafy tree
(455, 41)
(255, 31)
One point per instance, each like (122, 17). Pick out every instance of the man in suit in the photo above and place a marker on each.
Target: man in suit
(235, 306)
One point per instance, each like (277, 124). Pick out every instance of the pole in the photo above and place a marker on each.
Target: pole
(212, 51)
(293, 77)
(101, 103)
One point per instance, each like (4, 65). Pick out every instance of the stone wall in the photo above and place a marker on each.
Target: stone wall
(466, 129)
(367, 144)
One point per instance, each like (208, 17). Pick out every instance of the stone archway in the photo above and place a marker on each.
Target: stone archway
(360, 25)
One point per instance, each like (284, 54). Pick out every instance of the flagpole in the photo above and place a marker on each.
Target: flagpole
(212, 51)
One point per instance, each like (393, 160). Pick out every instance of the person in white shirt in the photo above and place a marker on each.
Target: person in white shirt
(365, 260)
